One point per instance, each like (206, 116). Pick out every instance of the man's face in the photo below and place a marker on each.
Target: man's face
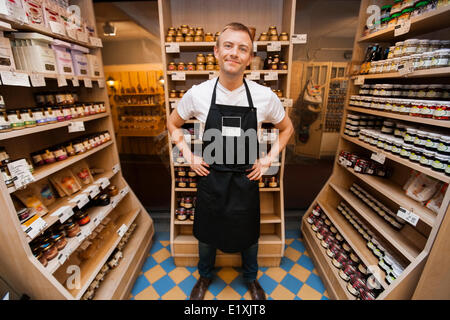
(234, 52)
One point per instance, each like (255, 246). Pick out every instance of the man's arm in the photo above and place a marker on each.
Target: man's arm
(174, 123)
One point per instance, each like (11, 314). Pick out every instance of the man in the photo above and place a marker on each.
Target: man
(227, 213)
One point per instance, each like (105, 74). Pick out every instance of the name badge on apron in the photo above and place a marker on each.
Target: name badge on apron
(231, 126)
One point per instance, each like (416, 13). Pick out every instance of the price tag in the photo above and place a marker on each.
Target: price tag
(271, 76)
(57, 28)
(287, 102)
(37, 80)
(102, 182)
(63, 213)
(174, 104)
(75, 82)
(116, 168)
(254, 75)
(378, 157)
(404, 69)
(359, 81)
(80, 200)
(274, 46)
(72, 33)
(172, 47)
(80, 237)
(92, 191)
(212, 75)
(114, 201)
(179, 76)
(62, 81)
(21, 171)
(15, 78)
(299, 38)
(122, 230)
(255, 46)
(96, 221)
(87, 82)
(76, 126)
(62, 258)
(408, 216)
(96, 41)
(124, 191)
(82, 36)
(402, 28)
(34, 226)
(101, 83)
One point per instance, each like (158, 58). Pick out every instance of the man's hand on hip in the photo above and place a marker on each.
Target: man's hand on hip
(259, 168)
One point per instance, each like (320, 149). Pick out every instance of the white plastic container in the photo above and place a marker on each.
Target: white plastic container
(38, 54)
(80, 60)
(63, 57)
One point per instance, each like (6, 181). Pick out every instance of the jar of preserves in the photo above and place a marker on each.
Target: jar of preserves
(59, 153)
(82, 218)
(209, 37)
(284, 36)
(171, 31)
(184, 29)
(199, 31)
(198, 38)
(434, 91)
(210, 66)
(189, 38)
(173, 94)
(181, 66)
(210, 58)
(179, 37)
(15, 119)
(216, 36)
(423, 46)
(398, 49)
(263, 37)
(200, 67)
(172, 66)
(427, 59)
(5, 124)
(442, 110)
(444, 145)
(200, 59)
(60, 241)
(170, 39)
(273, 30)
(49, 250)
(410, 46)
(442, 57)
(48, 156)
(440, 163)
(181, 93)
(70, 149)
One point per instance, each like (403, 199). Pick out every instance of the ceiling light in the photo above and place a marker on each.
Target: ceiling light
(109, 29)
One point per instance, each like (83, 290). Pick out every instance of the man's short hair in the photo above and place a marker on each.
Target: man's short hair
(236, 26)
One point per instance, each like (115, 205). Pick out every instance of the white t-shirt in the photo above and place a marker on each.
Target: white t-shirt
(197, 100)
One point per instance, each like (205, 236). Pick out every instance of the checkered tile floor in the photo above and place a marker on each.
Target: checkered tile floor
(295, 279)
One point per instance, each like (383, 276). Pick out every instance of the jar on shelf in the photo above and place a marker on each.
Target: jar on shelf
(179, 37)
(171, 31)
(49, 251)
(60, 241)
(379, 67)
(272, 30)
(170, 38)
(189, 38)
(434, 45)
(405, 152)
(210, 66)
(172, 66)
(410, 46)
(200, 59)
(395, 64)
(405, 15)
(209, 37)
(398, 49)
(15, 119)
(181, 66)
(190, 66)
(442, 110)
(423, 46)
(397, 6)
(427, 59)
(181, 93)
(432, 141)
(5, 124)
(283, 65)
(263, 37)
(428, 109)
(284, 36)
(427, 158)
(200, 67)
(434, 91)
(273, 37)
(410, 136)
(393, 19)
(440, 163)
(444, 145)
(442, 57)
(216, 36)
(210, 58)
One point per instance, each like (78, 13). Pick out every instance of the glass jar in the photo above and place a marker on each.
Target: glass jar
(427, 59)
(181, 66)
(210, 66)
(60, 153)
(398, 49)
(179, 37)
(15, 119)
(434, 91)
(82, 218)
(210, 58)
(427, 158)
(434, 45)
(416, 108)
(48, 156)
(79, 147)
(405, 152)
(209, 37)
(198, 38)
(440, 163)
(173, 94)
(410, 136)
(49, 251)
(200, 59)
(423, 46)
(5, 124)
(263, 37)
(395, 64)
(442, 57)
(417, 62)
(405, 106)
(396, 90)
(420, 139)
(428, 109)
(60, 241)
(189, 38)
(442, 110)
(70, 149)
(284, 36)
(444, 145)
(410, 46)
(172, 66)
(432, 141)
(397, 146)
(171, 31)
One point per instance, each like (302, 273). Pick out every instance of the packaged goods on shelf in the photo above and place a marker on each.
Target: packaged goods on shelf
(51, 14)
(63, 57)
(16, 10)
(94, 66)
(34, 12)
(80, 60)
(362, 165)
(6, 54)
(435, 202)
(422, 187)
(37, 53)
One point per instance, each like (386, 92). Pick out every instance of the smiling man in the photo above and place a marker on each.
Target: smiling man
(227, 215)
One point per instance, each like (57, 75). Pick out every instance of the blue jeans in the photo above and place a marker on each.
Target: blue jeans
(208, 258)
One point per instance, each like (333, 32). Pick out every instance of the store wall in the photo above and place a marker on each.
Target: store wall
(131, 52)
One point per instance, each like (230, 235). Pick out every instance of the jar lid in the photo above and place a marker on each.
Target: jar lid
(424, 41)
(435, 86)
(428, 54)
(56, 237)
(407, 10)
(399, 43)
(388, 6)
(443, 51)
(411, 41)
(435, 42)
(200, 54)
(411, 130)
(46, 246)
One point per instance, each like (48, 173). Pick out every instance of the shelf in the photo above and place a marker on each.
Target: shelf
(96, 214)
(46, 127)
(263, 239)
(437, 72)
(55, 76)
(134, 247)
(137, 94)
(431, 122)
(207, 72)
(331, 270)
(91, 267)
(265, 218)
(395, 192)
(50, 220)
(20, 26)
(354, 239)
(124, 133)
(404, 246)
(400, 160)
(429, 21)
(138, 105)
(48, 169)
(195, 189)
(209, 45)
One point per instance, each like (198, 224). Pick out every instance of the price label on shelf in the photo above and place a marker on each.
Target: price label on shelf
(80, 200)
(72, 33)
(82, 36)
(57, 28)
(405, 68)
(62, 81)
(287, 102)
(62, 258)
(299, 38)
(87, 82)
(179, 76)
(274, 46)
(359, 81)
(96, 41)
(116, 168)
(115, 201)
(34, 226)
(92, 191)
(101, 83)
(378, 157)
(80, 237)
(271, 76)
(15, 78)
(408, 216)
(212, 75)
(122, 230)
(20, 170)
(402, 28)
(254, 75)
(63, 213)
(124, 191)
(102, 182)
(172, 47)
(96, 221)
(76, 126)
(37, 80)
(75, 82)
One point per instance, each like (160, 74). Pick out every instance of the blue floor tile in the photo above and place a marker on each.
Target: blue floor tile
(291, 283)
(297, 245)
(168, 265)
(148, 264)
(187, 284)
(163, 285)
(191, 269)
(297, 298)
(306, 262)
(140, 284)
(156, 247)
(315, 282)
(217, 286)
(324, 298)
(286, 264)
(267, 283)
(292, 234)
(239, 285)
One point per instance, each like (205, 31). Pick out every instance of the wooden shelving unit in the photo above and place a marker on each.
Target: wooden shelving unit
(260, 15)
(20, 268)
(411, 245)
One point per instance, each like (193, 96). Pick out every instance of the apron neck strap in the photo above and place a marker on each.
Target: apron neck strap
(249, 97)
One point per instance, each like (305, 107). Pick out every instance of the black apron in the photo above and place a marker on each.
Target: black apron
(227, 214)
